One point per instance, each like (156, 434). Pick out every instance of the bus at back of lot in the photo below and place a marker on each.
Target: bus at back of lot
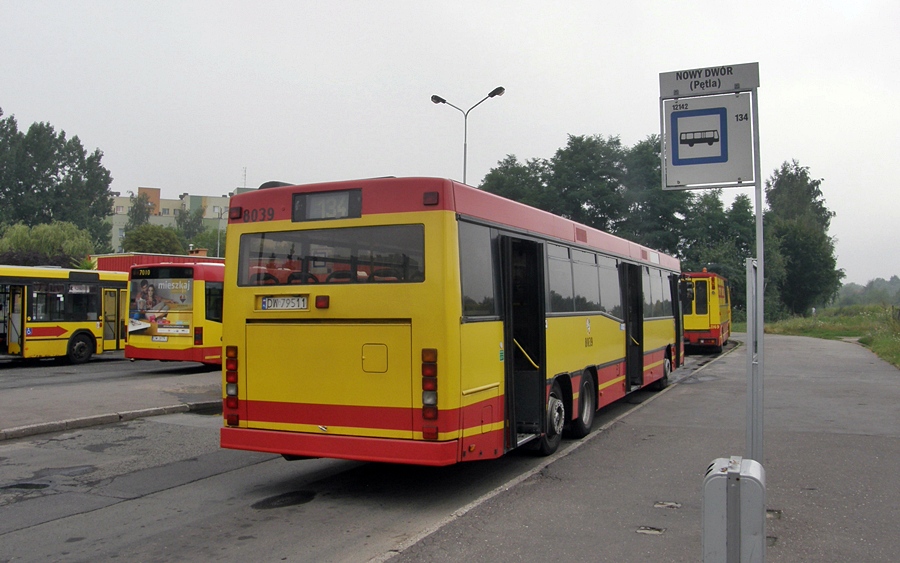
(707, 314)
(175, 312)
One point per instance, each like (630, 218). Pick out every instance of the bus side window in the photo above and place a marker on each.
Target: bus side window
(686, 290)
(214, 301)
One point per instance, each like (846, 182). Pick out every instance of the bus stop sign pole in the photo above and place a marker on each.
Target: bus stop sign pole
(755, 354)
(709, 131)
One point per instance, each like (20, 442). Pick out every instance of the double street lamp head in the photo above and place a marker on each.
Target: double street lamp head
(498, 91)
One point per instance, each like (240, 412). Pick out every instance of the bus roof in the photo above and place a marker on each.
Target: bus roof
(394, 195)
(9, 273)
(122, 262)
(702, 275)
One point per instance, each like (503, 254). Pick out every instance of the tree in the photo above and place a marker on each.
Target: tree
(45, 177)
(526, 183)
(588, 181)
(799, 221)
(792, 195)
(581, 182)
(719, 239)
(152, 238)
(139, 212)
(190, 223)
(706, 227)
(596, 181)
(212, 241)
(52, 244)
(876, 292)
(655, 218)
(811, 276)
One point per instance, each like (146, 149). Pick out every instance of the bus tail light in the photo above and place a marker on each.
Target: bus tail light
(429, 390)
(198, 336)
(232, 418)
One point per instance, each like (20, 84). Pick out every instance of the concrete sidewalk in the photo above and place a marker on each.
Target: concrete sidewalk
(112, 397)
(633, 491)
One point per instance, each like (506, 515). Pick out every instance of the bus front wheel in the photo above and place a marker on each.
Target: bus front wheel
(80, 349)
(556, 419)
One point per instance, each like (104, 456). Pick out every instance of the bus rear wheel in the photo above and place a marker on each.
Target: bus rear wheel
(556, 419)
(663, 381)
(80, 349)
(587, 406)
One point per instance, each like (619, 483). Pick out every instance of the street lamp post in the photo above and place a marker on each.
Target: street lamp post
(498, 91)
(222, 211)
(218, 232)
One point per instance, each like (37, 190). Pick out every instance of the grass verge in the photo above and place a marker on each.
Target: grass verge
(877, 327)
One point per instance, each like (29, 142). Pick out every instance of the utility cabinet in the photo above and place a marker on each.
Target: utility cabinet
(734, 511)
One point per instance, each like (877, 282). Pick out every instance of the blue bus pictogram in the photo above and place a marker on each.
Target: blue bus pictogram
(698, 130)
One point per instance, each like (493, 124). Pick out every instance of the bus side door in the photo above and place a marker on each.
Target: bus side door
(522, 277)
(631, 281)
(111, 320)
(15, 321)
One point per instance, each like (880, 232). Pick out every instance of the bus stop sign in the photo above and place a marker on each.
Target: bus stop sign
(706, 126)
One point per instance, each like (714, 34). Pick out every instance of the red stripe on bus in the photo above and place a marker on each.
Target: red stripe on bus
(385, 418)
(376, 418)
(341, 447)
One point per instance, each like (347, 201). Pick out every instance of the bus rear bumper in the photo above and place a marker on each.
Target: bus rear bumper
(210, 355)
(341, 447)
(711, 337)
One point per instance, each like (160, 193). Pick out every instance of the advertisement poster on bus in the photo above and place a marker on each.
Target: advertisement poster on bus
(160, 306)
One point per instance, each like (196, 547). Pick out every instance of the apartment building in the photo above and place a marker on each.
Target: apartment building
(166, 211)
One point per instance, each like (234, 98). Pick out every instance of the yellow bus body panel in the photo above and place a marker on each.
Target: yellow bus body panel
(481, 376)
(576, 342)
(360, 357)
(58, 346)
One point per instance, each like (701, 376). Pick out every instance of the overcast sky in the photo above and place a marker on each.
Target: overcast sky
(204, 97)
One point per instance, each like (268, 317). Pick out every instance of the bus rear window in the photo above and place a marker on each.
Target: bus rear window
(382, 254)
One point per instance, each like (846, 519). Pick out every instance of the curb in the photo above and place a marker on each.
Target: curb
(97, 420)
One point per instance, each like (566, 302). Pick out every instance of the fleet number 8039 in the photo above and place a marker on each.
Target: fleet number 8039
(293, 303)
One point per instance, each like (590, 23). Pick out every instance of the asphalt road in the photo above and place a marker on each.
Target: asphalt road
(160, 489)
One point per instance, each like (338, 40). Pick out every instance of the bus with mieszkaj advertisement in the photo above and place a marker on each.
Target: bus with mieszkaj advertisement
(707, 314)
(175, 312)
(49, 312)
(423, 321)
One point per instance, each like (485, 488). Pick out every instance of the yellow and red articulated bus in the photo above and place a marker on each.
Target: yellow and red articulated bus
(48, 312)
(707, 315)
(423, 321)
(175, 312)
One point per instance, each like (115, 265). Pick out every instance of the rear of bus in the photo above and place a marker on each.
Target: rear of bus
(175, 312)
(707, 321)
(335, 337)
